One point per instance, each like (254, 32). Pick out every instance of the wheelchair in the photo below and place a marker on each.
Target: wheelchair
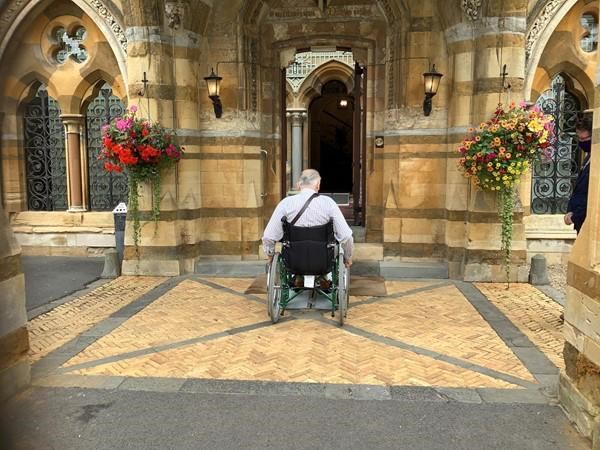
(306, 251)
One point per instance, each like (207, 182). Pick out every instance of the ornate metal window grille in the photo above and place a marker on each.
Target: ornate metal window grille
(45, 160)
(553, 181)
(306, 62)
(106, 189)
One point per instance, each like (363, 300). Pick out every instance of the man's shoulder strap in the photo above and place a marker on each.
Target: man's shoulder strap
(310, 199)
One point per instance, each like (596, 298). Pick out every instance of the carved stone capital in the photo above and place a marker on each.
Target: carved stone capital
(471, 8)
(297, 117)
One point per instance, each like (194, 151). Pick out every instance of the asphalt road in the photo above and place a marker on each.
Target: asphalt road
(49, 278)
(69, 418)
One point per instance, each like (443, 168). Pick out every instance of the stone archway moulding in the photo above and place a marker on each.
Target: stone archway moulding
(538, 35)
(16, 12)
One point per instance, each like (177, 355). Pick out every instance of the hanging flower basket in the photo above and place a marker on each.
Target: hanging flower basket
(144, 150)
(496, 154)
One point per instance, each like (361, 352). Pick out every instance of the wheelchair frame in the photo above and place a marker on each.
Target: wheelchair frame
(280, 292)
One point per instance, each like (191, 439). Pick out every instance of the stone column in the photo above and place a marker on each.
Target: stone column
(479, 55)
(297, 118)
(579, 384)
(14, 340)
(73, 129)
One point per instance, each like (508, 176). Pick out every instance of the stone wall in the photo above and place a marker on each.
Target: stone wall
(215, 203)
(580, 382)
(14, 340)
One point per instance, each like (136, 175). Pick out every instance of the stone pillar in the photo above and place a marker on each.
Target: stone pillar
(579, 386)
(14, 341)
(297, 119)
(479, 55)
(73, 130)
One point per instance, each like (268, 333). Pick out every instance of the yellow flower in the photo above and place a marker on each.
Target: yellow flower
(535, 125)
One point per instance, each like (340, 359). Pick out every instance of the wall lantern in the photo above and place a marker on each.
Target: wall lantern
(343, 103)
(213, 83)
(431, 81)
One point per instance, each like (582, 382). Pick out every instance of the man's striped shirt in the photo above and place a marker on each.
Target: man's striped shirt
(320, 210)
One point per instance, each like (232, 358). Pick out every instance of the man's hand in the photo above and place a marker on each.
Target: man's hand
(568, 218)
(348, 263)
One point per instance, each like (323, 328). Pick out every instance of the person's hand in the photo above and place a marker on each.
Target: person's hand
(348, 263)
(568, 218)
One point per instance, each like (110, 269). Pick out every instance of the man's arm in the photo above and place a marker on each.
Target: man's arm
(343, 233)
(273, 231)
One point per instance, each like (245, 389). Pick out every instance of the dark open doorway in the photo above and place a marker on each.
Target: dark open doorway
(331, 130)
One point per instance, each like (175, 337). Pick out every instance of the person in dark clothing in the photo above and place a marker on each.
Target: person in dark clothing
(577, 207)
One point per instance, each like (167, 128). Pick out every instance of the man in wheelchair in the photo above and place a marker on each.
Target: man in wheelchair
(316, 241)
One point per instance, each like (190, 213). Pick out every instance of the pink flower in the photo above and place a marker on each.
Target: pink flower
(133, 108)
(123, 124)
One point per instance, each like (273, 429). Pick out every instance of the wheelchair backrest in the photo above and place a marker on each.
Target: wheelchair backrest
(308, 250)
(320, 233)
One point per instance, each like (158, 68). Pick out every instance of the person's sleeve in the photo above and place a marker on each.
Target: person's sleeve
(273, 231)
(578, 203)
(343, 233)
(348, 247)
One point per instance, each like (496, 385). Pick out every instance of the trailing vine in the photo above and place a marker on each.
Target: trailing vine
(506, 206)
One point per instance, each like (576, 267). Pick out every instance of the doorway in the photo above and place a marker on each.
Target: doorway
(331, 131)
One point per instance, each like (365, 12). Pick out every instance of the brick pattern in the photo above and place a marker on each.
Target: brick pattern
(49, 331)
(187, 311)
(441, 320)
(302, 351)
(536, 315)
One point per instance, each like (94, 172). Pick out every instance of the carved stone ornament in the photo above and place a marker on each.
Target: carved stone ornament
(173, 13)
(471, 8)
(539, 25)
(110, 21)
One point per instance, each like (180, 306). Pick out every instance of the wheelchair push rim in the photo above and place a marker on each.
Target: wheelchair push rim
(274, 289)
(342, 289)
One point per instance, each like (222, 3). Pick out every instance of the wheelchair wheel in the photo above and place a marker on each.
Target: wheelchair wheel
(274, 289)
(342, 290)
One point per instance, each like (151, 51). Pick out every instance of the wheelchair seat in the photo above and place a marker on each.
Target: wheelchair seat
(308, 250)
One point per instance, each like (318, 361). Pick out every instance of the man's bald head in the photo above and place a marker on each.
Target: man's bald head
(309, 178)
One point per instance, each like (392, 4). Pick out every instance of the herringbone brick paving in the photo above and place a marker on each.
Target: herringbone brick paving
(299, 351)
(536, 315)
(53, 329)
(187, 311)
(304, 349)
(441, 320)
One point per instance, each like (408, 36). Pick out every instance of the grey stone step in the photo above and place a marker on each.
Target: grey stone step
(231, 268)
(399, 269)
(387, 269)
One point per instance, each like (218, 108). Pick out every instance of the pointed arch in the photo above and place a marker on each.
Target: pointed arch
(108, 21)
(332, 70)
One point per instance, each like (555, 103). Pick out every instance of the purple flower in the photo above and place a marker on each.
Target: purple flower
(133, 108)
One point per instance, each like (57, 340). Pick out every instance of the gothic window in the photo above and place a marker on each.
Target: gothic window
(44, 144)
(106, 189)
(589, 41)
(553, 180)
